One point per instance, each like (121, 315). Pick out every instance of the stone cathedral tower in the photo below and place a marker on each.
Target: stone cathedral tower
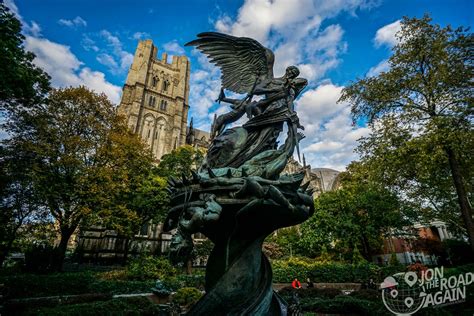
(155, 98)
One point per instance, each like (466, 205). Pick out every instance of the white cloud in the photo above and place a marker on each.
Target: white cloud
(88, 43)
(173, 48)
(33, 29)
(382, 66)
(140, 35)
(320, 103)
(387, 35)
(122, 59)
(330, 133)
(107, 60)
(74, 23)
(204, 89)
(66, 69)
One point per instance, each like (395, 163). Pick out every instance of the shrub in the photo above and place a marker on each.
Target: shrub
(186, 296)
(310, 293)
(357, 257)
(119, 274)
(344, 305)
(191, 280)
(285, 271)
(288, 270)
(458, 251)
(150, 267)
(367, 294)
(393, 260)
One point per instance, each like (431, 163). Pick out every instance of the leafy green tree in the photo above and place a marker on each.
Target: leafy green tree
(180, 161)
(21, 82)
(144, 201)
(351, 221)
(19, 205)
(203, 248)
(421, 113)
(23, 87)
(84, 160)
(286, 240)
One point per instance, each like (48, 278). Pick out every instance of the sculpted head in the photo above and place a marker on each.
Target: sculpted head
(292, 72)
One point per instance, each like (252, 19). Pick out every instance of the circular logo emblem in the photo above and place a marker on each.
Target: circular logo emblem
(402, 294)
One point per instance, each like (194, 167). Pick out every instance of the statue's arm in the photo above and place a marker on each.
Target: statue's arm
(265, 87)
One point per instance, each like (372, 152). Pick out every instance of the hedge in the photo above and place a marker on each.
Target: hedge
(284, 271)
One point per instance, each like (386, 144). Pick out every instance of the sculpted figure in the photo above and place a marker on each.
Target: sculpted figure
(279, 88)
(238, 196)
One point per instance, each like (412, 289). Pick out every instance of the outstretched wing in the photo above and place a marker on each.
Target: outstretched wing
(242, 60)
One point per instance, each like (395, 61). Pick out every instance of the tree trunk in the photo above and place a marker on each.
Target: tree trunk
(189, 267)
(367, 251)
(58, 260)
(466, 210)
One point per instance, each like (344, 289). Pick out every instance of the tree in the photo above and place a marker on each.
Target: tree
(422, 108)
(21, 82)
(84, 159)
(18, 203)
(286, 240)
(144, 201)
(352, 220)
(23, 87)
(180, 161)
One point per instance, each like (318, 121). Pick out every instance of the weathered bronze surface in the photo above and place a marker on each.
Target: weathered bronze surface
(238, 196)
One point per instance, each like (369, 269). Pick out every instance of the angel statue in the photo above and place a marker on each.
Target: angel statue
(239, 196)
(247, 68)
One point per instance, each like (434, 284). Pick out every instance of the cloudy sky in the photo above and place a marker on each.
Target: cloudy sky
(333, 42)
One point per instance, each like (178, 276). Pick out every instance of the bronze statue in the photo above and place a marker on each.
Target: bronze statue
(239, 196)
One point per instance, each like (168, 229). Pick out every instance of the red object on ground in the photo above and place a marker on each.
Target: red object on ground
(296, 284)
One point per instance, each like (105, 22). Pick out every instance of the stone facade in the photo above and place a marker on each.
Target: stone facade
(155, 98)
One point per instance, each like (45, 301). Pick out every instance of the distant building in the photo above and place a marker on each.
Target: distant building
(414, 244)
(320, 179)
(155, 100)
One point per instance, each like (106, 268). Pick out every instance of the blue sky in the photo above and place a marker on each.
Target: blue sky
(332, 42)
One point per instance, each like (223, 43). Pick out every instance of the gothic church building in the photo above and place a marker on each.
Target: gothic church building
(155, 100)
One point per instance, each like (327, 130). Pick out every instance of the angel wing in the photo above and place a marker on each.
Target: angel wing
(244, 62)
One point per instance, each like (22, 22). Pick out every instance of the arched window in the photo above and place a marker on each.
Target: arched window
(165, 85)
(151, 101)
(154, 81)
(163, 105)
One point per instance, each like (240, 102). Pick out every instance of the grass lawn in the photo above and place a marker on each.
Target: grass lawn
(119, 306)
